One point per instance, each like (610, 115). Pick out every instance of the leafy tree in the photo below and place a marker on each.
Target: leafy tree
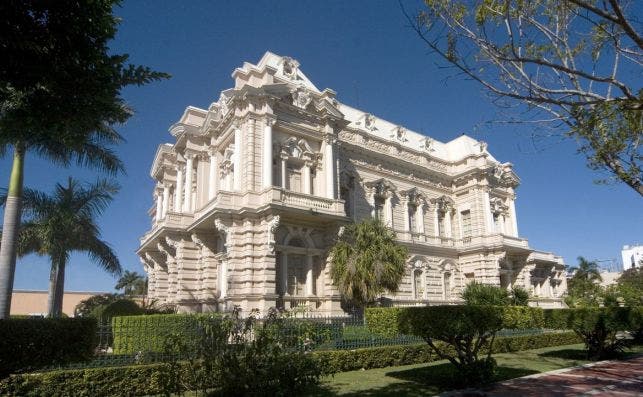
(132, 283)
(571, 66)
(366, 261)
(584, 288)
(85, 307)
(628, 289)
(62, 223)
(59, 97)
(478, 294)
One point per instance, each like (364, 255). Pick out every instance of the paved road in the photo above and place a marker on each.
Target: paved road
(606, 378)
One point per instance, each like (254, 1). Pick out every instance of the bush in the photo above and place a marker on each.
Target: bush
(133, 334)
(153, 380)
(30, 344)
(600, 328)
(484, 295)
(244, 357)
(465, 332)
(120, 307)
(519, 297)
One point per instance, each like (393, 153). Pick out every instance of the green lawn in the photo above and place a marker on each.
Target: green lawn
(433, 378)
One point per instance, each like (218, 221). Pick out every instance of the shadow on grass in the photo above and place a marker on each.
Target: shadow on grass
(567, 354)
(423, 381)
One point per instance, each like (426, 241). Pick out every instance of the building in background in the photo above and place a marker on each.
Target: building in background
(632, 256)
(252, 192)
(34, 303)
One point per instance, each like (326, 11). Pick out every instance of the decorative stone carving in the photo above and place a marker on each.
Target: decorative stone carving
(301, 97)
(427, 144)
(503, 175)
(289, 68)
(399, 133)
(381, 187)
(369, 122)
(444, 203)
(498, 206)
(414, 196)
(273, 224)
(483, 146)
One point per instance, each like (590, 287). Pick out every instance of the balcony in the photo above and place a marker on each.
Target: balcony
(492, 240)
(172, 220)
(227, 200)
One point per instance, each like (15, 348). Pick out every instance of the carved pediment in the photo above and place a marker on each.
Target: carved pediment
(444, 203)
(414, 196)
(381, 187)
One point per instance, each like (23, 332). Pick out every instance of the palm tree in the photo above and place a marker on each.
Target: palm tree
(366, 261)
(587, 270)
(60, 97)
(57, 225)
(131, 283)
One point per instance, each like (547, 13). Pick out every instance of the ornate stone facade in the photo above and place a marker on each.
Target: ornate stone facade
(253, 191)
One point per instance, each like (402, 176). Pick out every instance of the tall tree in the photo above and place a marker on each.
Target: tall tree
(584, 287)
(574, 65)
(59, 97)
(131, 283)
(65, 222)
(367, 261)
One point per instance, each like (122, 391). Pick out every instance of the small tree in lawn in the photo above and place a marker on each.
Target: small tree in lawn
(367, 261)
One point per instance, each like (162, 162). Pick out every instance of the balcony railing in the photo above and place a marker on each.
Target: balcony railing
(465, 242)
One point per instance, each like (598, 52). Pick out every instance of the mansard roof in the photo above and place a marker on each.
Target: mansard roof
(274, 70)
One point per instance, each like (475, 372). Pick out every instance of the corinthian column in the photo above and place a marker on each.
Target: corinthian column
(266, 167)
(212, 176)
(329, 167)
(159, 206)
(306, 177)
(189, 167)
(166, 200)
(178, 189)
(238, 148)
(514, 220)
(419, 218)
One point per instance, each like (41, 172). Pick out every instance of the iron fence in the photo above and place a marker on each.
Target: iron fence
(306, 331)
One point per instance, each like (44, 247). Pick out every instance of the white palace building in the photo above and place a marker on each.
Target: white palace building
(253, 191)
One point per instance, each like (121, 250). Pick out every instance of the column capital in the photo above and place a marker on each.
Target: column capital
(270, 120)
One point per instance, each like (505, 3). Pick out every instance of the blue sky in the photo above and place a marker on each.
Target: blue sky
(368, 55)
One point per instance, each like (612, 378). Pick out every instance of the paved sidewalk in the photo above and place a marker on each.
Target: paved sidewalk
(605, 378)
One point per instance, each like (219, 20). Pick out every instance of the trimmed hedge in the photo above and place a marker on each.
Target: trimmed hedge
(27, 344)
(134, 380)
(386, 321)
(138, 380)
(133, 334)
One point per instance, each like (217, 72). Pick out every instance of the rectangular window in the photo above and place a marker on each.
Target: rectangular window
(465, 217)
(379, 209)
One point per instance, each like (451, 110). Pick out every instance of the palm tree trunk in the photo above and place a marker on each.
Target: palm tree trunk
(56, 288)
(10, 230)
(60, 289)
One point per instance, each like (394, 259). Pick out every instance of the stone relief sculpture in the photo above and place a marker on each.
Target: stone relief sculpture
(273, 224)
(301, 97)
